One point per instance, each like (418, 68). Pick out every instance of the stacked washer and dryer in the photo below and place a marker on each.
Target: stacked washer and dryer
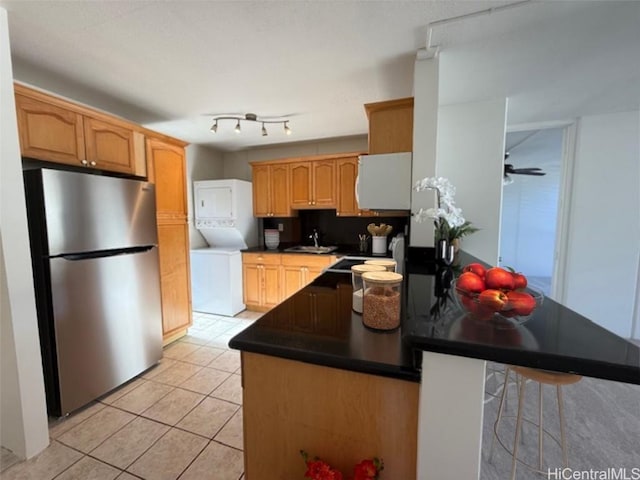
(224, 217)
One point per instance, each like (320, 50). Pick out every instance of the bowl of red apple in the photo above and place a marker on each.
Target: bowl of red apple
(496, 293)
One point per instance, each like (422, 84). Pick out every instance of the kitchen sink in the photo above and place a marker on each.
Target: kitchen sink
(311, 249)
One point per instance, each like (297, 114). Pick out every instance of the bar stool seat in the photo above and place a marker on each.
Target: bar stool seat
(543, 377)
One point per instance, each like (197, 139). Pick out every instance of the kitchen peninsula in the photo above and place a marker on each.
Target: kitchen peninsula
(319, 380)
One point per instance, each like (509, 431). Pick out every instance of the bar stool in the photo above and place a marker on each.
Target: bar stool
(543, 377)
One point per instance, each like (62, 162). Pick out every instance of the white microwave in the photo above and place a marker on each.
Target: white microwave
(384, 181)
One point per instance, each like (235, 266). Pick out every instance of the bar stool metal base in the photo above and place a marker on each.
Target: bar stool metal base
(543, 378)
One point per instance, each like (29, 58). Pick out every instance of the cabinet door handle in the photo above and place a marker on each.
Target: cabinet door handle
(309, 202)
(202, 203)
(92, 163)
(84, 162)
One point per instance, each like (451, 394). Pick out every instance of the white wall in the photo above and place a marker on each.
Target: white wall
(23, 414)
(425, 130)
(203, 163)
(471, 154)
(236, 164)
(601, 265)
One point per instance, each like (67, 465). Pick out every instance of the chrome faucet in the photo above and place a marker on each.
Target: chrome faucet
(314, 237)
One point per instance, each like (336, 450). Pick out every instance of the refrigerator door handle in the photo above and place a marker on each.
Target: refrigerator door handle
(104, 253)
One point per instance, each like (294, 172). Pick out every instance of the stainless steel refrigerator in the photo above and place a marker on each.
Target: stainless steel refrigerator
(97, 284)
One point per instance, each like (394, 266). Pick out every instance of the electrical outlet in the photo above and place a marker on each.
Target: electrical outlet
(280, 227)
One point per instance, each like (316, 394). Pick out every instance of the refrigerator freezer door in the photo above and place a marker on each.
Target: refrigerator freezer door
(108, 323)
(85, 212)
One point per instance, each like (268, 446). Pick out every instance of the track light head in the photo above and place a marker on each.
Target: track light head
(250, 117)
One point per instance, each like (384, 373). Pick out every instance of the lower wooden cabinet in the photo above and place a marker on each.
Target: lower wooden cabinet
(270, 278)
(167, 170)
(175, 286)
(261, 281)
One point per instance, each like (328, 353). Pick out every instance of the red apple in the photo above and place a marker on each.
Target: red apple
(469, 282)
(519, 281)
(492, 299)
(498, 279)
(521, 303)
(476, 268)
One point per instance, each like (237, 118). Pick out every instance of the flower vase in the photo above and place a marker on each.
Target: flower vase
(445, 252)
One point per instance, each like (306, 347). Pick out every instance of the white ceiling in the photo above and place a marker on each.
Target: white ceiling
(168, 64)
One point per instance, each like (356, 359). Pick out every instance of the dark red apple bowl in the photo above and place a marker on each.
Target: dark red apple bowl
(516, 306)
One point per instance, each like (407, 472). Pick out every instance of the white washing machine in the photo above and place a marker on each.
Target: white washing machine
(216, 280)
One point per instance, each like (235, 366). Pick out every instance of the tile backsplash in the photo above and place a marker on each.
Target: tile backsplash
(333, 230)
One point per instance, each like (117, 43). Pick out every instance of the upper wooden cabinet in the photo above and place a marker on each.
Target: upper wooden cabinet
(281, 187)
(271, 185)
(58, 131)
(390, 126)
(112, 147)
(166, 168)
(313, 184)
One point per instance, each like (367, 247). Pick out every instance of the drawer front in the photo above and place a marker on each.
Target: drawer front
(262, 258)
(303, 260)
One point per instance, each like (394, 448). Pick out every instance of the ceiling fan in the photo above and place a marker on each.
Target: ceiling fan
(509, 169)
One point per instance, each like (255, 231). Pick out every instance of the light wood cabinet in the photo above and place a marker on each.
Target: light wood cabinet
(300, 270)
(261, 281)
(173, 251)
(313, 184)
(55, 130)
(390, 126)
(297, 403)
(271, 185)
(167, 169)
(270, 278)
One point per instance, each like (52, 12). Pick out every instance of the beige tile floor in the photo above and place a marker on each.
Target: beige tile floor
(180, 419)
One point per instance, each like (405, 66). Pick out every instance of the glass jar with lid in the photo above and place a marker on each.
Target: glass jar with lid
(389, 265)
(381, 300)
(356, 281)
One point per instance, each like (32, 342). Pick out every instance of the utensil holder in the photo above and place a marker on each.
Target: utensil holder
(378, 245)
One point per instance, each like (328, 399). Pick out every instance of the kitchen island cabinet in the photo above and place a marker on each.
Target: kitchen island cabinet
(317, 379)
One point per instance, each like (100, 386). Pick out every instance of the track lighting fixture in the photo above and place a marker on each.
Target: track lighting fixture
(250, 117)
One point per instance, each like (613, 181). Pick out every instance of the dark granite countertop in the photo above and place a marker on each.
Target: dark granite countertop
(554, 338)
(317, 325)
(343, 250)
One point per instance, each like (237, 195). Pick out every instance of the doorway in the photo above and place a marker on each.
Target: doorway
(530, 205)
